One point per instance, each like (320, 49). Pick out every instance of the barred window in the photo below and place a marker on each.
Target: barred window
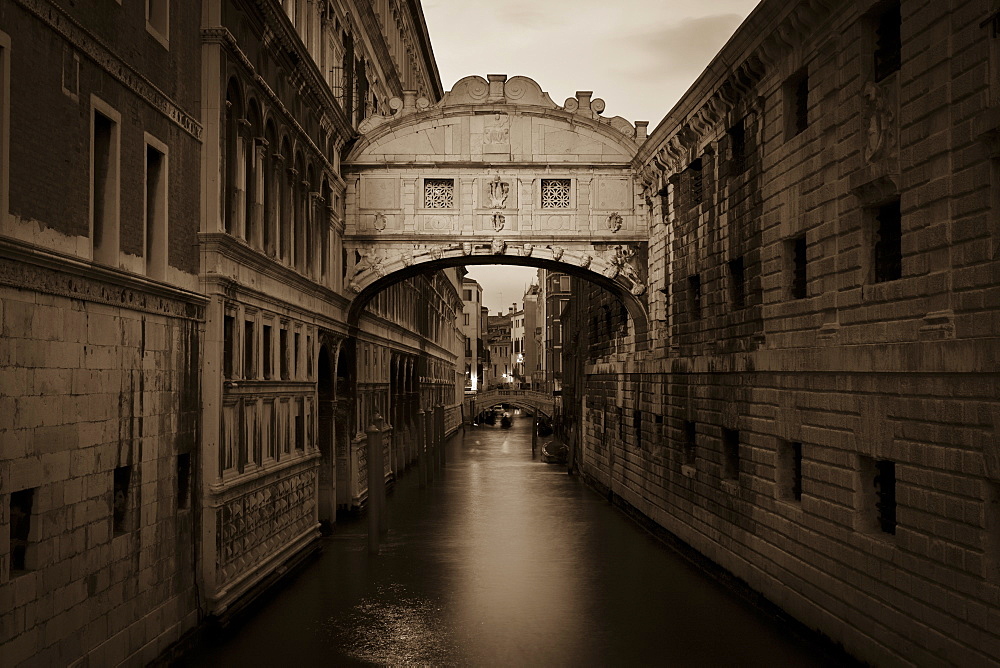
(555, 193)
(439, 193)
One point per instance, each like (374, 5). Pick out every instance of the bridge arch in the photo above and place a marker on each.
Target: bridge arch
(497, 173)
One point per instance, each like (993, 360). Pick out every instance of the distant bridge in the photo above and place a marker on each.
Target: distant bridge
(541, 402)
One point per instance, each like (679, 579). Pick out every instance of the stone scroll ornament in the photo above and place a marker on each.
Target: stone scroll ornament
(498, 193)
(498, 221)
(614, 222)
(380, 221)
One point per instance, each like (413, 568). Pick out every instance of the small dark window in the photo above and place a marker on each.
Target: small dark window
(730, 454)
(888, 243)
(737, 283)
(249, 358)
(737, 148)
(283, 352)
(300, 425)
(799, 276)
(637, 426)
(888, 42)
(120, 501)
(694, 296)
(696, 182)
(20, 528)
(183, 480)
(295, 356)
(797, 103)
(789, 473)
(885, 494)
(266, 351)
(690, 442)
(228, 327)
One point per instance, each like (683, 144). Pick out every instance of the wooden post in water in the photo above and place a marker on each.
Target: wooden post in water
(376, 478)
(428, 427)
(439, 414)
(383, 507)
(534, 434)
(421, 435)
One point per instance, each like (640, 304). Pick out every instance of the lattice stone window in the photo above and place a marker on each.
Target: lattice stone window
(439, 193)
(555, 193)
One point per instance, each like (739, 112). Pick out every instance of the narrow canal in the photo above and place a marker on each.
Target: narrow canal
(503, 561)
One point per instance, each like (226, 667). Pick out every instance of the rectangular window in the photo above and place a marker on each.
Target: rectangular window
(690, 442)
(300, 425)
(696, 184)
(104, 192)
(789, 473)
(20, 529)
(885, 495)
(797, 249)
(888, 43)
(266, 351)
(796, 107)
(737, 283)
(156, 212)
(467, 295)
(295, 356)
(730, 454)
(564, 283)
(466, 319)
(283, 352)
(888, 243)
(637, 427)
(120, 502)
(183, 480)
(158, 20)
(439, 193)
(249, 351)
(228, 335)
(555, 193)
(737, 148)
(694, 296)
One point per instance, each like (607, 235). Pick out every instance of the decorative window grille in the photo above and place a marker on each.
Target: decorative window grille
(439, 193)
(555, 193)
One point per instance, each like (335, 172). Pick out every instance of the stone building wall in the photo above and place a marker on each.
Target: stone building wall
(827, 431)
(102, 337)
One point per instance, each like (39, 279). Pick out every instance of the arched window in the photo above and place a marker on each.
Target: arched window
(271, 183)
(285, 185)
(254, 175)
(232, 187)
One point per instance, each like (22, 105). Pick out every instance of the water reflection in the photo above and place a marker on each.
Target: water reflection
(503, 561)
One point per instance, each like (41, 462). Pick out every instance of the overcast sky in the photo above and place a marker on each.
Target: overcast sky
(639, 56)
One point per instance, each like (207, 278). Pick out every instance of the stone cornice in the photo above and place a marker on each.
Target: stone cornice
(771, 31)
(58, 20)
(29, 267)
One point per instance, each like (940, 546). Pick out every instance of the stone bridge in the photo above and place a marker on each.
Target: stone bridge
(497, 173)
(540, 402)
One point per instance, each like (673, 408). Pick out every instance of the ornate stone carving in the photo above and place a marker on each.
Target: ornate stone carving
(498, 132)
(466, 248)
(638, 287)
(557, 253)
(406, 257)
(527, 249)
(498, 221)
(498, 193)
(371, 260)
(585, 260)
(435, 252)
(498, 247)
(261, 521)
(614, 222)
(878, 120)
(379, 221)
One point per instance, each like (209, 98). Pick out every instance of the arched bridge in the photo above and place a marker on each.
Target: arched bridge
(497, 173)
(540, 402)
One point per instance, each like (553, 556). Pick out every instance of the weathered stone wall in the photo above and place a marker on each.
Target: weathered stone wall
(756, 436)
(89, 390)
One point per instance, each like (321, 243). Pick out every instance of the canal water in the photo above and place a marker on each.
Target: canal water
(503, 561)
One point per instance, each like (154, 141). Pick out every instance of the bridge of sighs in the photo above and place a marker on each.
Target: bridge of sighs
(497, 173)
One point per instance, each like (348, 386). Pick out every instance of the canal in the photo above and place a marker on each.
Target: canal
(503, 561)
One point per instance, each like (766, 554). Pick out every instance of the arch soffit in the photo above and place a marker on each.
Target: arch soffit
(519, 96)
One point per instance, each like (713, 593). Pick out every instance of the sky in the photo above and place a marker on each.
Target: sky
(639, 56)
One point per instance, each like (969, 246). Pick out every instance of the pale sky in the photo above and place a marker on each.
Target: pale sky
(639, 56)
